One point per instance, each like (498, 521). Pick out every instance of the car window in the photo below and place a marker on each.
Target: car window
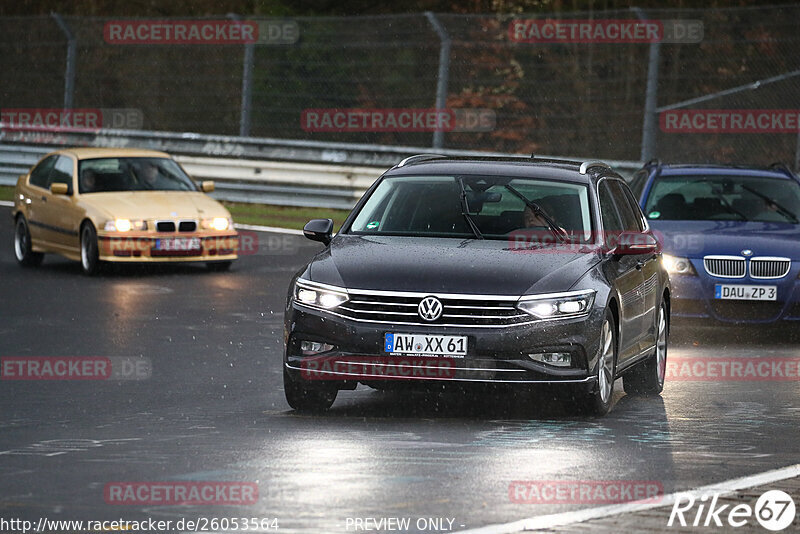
(103, 175)
(40, 176)
(630, 220)
(641, 223)
(724, 198)
(62, 172)
(431, 206)
(612, 222)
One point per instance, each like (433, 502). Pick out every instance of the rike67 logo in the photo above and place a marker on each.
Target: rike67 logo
(774, 510)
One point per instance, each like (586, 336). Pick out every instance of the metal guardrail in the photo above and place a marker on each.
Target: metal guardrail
(246, 169)
(266, 182)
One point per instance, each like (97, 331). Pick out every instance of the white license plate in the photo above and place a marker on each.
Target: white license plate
(741, 292)
(427, 345)
(178, 243)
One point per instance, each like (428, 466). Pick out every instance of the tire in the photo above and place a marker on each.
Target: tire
(307, 397)
(218, 266)
(90, 262)
(598, 398)
(23, 246)
(647, 378)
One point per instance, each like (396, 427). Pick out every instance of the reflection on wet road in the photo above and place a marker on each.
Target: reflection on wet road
(213, 410)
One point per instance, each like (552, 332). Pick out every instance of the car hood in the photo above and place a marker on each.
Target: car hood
(434, 265)
(695, 239)
(156, 204)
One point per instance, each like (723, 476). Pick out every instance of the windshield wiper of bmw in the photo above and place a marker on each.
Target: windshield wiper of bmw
(558, 232)
(465, 210)
(780, 209)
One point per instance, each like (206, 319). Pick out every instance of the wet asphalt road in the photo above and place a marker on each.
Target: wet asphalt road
(213, 409)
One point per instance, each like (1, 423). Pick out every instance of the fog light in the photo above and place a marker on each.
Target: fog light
(558, 359)
(314, 347)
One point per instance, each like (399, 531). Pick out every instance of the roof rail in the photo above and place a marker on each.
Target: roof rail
(419, 157)
(781, 166)
(588, 164)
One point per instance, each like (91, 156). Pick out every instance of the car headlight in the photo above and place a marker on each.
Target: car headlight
(558, 306)
(677, 265)
(125, 225)
(319, 297)
(217, 223)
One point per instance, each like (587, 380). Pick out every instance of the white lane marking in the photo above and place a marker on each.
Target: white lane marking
(275, 229)
(580, 516)
(6, 203)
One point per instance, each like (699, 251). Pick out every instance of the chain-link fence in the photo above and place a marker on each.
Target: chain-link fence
(564, 98)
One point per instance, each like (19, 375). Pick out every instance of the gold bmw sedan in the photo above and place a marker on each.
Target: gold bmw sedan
(99, 205)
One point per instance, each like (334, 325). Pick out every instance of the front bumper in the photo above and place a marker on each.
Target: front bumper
(693, 297)
(494, 355)
(141, 247)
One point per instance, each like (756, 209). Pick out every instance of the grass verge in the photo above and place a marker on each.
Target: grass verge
(6, 192)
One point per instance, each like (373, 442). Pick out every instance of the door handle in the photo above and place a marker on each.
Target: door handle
(639, 265)
(44, 199)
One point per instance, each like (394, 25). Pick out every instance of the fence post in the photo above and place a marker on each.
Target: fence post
(650, 122)
(247, 84)
(797, 154)
(69, 74)
(444, 73)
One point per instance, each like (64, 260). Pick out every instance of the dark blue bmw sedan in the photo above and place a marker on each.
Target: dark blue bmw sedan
(731, 239)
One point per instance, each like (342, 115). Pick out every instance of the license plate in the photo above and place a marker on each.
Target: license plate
(741, 292)
(178, 243)
(425, 345)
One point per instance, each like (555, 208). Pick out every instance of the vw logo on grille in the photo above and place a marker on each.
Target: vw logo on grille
(430, 308)
(747, 252)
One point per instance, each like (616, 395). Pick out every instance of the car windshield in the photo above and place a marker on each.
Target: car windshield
(724, 198)
(132, 174)
(486, 207)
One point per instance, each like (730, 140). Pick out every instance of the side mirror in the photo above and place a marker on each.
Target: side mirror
(319, 230)
(636, 243)
(207, 186)
(59, 189)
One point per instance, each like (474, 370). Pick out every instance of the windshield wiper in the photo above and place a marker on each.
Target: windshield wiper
(780, 209)
(727, 206)
(554, 228)
(465, 210)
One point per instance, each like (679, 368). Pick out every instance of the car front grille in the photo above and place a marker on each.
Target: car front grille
(182, 226)
(766, 268)
(763, 268)
(457, 310)
(725, 266)
(187, 226)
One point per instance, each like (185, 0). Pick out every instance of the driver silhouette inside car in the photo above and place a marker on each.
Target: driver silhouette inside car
(150, 176)
(88, 181)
